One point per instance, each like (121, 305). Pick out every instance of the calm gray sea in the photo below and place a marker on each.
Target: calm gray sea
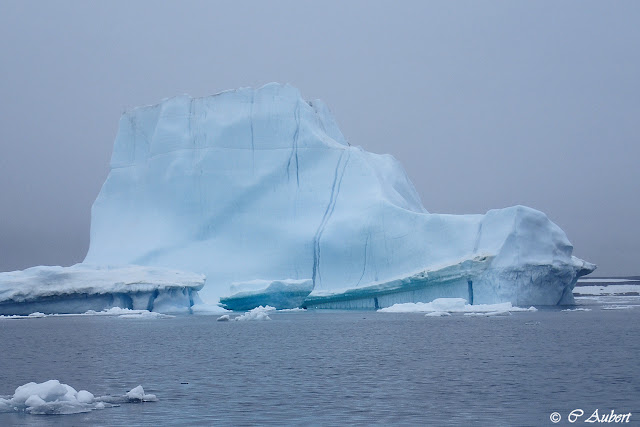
(332, 367)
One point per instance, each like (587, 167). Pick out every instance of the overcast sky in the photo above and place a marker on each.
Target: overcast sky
(486, 104)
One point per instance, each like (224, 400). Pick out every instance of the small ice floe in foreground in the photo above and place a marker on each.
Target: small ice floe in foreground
(258, 313)
(52, 397)
(223, 318)
(577, 309)
(445, 306)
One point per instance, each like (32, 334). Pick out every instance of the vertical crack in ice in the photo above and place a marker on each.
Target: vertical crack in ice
(295, 140)
(477, 243)
(470, 290)
(253, 153)
(152, 298)
(335, 189)
(191, 135)
(364, 264)
(564, 292)
(294, 147)
(139, 135)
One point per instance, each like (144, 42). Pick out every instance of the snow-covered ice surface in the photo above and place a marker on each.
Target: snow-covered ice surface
(258, 190)
(55, 398)
(444, 306)
(605, 280)
(83, 287)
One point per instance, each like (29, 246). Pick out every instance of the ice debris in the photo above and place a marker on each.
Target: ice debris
(53, 397)
(258, 313)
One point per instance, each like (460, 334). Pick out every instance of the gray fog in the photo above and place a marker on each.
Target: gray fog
(486, 104)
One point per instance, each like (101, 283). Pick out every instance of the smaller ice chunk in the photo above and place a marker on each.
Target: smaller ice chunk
(223, 318)
(49, 397)
(208, 309)
(282, 294)
(55, 398)
(85, 397)
(137, 394)
(437, 314)
(258, 313)
(489, 313)
(36, 315)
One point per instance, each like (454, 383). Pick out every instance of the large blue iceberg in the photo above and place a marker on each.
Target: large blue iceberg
(258, 190)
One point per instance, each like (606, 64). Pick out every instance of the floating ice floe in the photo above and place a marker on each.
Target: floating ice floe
(607, 290)
(53, 397)
(258, 313)
(453, 305)
(577, 309)
(618, 307)
(137, 394)
(123, 313)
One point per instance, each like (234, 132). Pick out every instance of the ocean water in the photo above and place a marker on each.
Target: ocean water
(336, 367)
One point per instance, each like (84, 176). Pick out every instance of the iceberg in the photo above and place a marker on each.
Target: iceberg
(258, 190)
(82, 288)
